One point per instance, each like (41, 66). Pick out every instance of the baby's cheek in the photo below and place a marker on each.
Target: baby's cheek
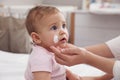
(67, 34)
(55, 39)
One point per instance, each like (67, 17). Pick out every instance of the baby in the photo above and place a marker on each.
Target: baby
(47, 27)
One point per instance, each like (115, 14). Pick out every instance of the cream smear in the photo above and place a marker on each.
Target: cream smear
(55, 39)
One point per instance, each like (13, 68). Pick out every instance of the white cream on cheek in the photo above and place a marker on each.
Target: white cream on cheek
(55, 39)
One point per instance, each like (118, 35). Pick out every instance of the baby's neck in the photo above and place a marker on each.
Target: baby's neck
(47, 48)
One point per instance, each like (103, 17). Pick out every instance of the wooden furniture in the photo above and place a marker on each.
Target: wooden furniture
(92, 28)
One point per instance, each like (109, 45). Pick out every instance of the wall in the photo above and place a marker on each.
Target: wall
(51, 2)
(116, 1)
(94, 28)
(63, 2)
(69, 2)
(20, 2)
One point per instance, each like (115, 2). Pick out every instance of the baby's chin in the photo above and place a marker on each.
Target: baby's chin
(62, 45)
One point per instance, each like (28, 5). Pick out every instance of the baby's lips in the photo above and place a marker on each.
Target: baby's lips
(63, 40)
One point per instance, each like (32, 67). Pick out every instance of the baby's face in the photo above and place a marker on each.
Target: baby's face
(53, 30)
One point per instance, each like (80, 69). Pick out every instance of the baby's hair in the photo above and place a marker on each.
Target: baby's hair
(36, 14)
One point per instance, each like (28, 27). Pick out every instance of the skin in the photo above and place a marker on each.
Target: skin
(50, 25)
(100, 49)
(72, 76)
(98, 56)
(45, 34)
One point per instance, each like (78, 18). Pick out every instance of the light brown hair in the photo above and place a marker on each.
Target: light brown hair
(36, 14)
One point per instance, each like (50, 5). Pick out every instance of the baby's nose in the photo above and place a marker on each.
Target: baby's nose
(62, 31)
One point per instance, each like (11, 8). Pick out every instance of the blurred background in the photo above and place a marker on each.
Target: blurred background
(89, 22)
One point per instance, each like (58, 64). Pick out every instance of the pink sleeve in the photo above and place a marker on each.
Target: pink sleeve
(41, 61)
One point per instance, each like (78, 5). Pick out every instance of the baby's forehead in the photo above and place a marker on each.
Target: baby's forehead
(50, 18)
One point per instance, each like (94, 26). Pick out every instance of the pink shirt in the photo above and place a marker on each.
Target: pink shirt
(43, 60)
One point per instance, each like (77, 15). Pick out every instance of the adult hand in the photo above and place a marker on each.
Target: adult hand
(102, 77)
(70, 55)
(72, 76)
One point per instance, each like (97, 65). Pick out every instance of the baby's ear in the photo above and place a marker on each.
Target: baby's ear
(35, 37)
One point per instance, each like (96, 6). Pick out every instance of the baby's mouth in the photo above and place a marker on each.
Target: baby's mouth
(63, 40)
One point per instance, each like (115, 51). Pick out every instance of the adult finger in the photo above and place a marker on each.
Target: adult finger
(60, 57)
(67, 45)
(59, 60)
(71, 51)
(56, 51)
(72, 76)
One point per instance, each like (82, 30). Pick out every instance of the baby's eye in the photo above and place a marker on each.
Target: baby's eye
(53, 28)
(63, 26)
